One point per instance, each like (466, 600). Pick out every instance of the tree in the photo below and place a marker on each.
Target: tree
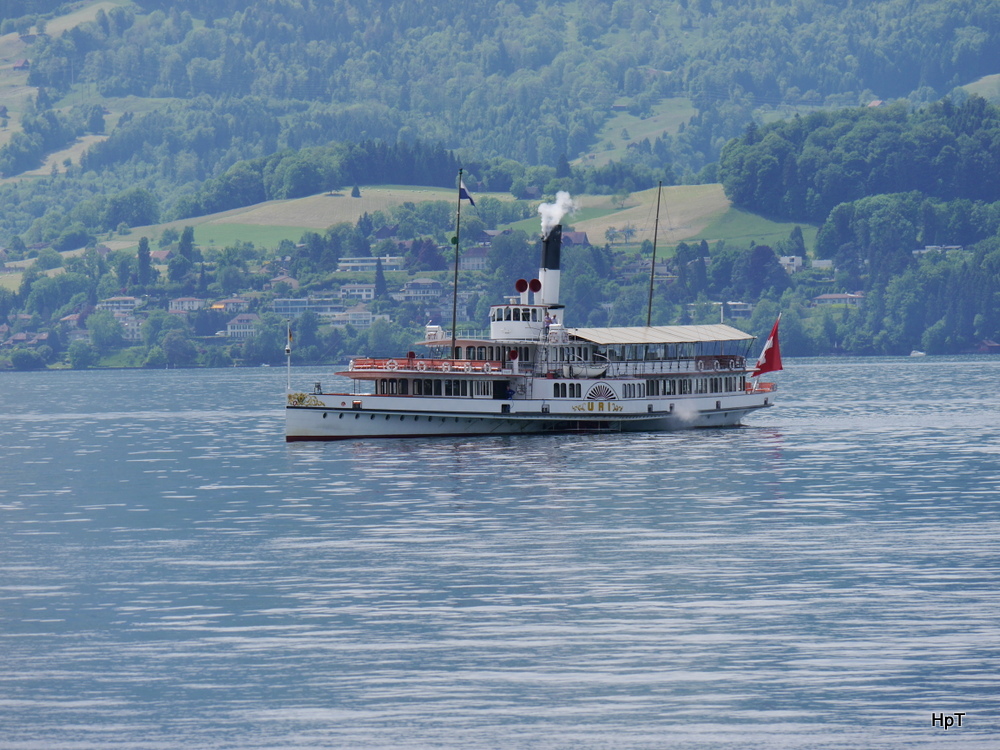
(81, 355)
(158, 324)
(186, 244)
(106, 332)
(155, 358)
(144, 272)
(217, 356)
(179, 267)
(381, 290)
(307, 329)
(48, 258)
(177, 349)
(26, 359)
(133, 207)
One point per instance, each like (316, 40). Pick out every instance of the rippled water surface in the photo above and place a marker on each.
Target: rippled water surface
(172, 574)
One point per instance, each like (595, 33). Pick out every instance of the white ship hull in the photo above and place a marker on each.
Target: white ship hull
(337, 417)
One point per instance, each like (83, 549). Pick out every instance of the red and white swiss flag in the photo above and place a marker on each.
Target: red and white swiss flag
(770, 356)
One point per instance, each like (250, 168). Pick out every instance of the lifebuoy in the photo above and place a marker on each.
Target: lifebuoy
(421, 366)
(445, 366)
(391, 365)
(468, 367)
(487, 367)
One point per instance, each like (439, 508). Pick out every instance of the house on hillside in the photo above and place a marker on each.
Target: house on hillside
(576, 238)
(839, 299)
(368, 265)
(358, 291)
(357, 317)
(791, 263)
(185, 304)
(487, 236)
(283, 278)
(243, 326)
(131, 326)
(292, 308)
(118, 304)
(419, 290)
(474, 259)
(232, 305)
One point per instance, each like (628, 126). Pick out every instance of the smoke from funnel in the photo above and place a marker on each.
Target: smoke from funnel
(552, 213)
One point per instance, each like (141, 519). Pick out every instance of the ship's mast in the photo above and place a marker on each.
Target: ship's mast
(652, 267)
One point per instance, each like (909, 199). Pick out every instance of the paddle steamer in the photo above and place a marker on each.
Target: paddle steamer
(533, 374)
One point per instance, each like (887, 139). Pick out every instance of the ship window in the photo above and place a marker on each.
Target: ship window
(437, 388)
(470, 352)
(418, 387)
(465, 387)
(524, 314)
(404, 387)
(534, 315)
(447, 388)
(506, 313)
(481, 352)
(517, 313)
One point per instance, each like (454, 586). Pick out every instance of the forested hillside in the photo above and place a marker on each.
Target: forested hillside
(510, 86)
(842, 118)
(801, 168)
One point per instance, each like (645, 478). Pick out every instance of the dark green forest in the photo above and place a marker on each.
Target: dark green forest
(217, 104)
(507, 87)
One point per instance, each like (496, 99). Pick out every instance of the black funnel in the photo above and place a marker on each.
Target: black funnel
(550, 248)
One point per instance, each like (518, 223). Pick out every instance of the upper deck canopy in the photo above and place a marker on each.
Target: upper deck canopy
(660, 334)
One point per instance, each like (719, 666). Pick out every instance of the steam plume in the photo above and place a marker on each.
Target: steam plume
(552, 213)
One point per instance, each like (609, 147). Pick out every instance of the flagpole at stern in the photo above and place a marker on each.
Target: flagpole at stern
(288, 354)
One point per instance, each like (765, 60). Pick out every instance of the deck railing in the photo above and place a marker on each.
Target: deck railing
(647, 368)
(418, 365)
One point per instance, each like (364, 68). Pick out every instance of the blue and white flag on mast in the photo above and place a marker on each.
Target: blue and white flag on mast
(463, 194)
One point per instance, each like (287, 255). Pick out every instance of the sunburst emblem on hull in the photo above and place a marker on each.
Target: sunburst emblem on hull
(602, 392)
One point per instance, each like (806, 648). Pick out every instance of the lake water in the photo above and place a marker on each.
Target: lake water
(173, 574)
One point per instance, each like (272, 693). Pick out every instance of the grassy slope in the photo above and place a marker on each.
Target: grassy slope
(670, 114)
(987, 87)
(687, 212)
(15, 92)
